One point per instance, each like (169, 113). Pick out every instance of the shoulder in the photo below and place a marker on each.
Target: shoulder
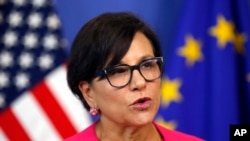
(172, 135)
(87, 134)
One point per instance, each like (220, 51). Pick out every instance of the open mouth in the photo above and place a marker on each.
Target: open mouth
(142, 103)
(141, 100)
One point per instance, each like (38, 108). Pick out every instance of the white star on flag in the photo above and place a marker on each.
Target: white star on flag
(6, 59)
(30, 40)
(19, 2)
(53, 22)
(4, 81)
(35, 20)
(15, 18)
(10, 38)
(26, 60)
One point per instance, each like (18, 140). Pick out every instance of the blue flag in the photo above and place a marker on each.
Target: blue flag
(206, 85)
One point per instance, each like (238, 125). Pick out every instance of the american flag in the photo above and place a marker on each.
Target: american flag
(35, 102)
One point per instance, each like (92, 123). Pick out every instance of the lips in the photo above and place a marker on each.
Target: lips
(142, 103)
(141, 100)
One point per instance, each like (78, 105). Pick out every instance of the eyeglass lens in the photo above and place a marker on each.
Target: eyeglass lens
(120, 75)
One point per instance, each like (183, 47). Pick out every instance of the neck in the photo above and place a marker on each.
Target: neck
(113, 132)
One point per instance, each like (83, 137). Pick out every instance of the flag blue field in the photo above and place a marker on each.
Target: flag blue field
(206, 83)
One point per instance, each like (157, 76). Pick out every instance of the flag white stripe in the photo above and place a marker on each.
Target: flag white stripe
(33, 119)
(57, 83)
(3, 137)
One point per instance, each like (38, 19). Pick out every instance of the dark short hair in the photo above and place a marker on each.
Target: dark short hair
(102, 42)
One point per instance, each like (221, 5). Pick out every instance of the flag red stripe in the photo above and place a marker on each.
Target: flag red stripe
(53, 110)
(11, 126)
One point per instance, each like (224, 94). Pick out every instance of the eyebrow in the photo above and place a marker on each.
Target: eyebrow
(141, 59)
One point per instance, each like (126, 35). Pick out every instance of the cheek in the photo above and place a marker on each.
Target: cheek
(156, 91)
(112, 105)
(107, 96)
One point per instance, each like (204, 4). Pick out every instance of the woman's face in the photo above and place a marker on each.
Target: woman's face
(125, 106)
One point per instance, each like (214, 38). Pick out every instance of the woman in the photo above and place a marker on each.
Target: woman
(115, 68)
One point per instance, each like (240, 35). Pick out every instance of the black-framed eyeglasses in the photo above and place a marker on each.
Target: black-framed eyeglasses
(120, 75)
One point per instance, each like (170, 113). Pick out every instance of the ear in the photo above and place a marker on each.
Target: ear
(87, 93)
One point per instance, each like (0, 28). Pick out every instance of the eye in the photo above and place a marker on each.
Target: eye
(148, 64)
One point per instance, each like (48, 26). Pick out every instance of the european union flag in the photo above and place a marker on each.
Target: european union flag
(206, 85)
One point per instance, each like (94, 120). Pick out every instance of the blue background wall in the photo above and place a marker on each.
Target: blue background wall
(161, 15)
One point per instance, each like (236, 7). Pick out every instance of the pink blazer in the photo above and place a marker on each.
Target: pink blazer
(168, 135)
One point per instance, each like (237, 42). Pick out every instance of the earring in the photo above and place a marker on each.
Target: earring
(93, 111)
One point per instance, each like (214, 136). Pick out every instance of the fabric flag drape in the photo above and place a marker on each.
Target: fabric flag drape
(35, 101)
(206, 84)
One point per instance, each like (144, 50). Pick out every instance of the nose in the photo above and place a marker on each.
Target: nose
(137, 80)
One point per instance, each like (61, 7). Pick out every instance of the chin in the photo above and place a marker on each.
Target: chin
(143, 120)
